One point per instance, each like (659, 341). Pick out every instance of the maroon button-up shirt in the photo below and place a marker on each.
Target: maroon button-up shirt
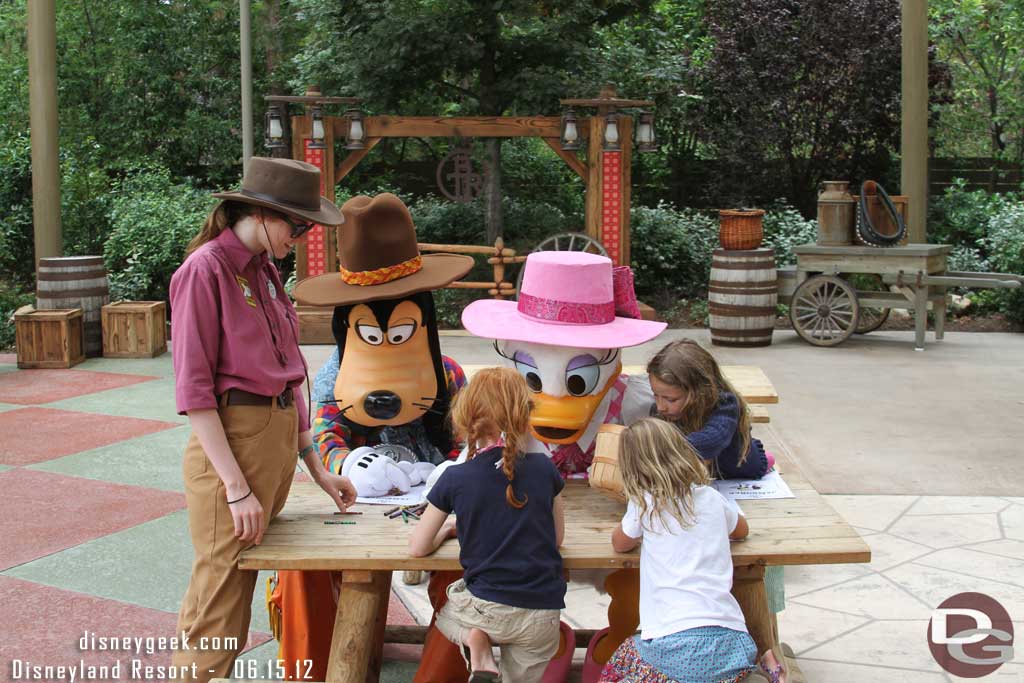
(232, 327)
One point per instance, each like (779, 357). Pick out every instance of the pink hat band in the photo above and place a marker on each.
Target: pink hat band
(570, 312)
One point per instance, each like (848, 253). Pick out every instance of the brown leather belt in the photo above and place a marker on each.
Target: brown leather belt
(239, 397)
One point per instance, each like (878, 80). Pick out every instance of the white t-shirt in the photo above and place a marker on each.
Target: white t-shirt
(686, 574)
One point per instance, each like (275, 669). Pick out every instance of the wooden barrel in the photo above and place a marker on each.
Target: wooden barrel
(76, 282)
(604, 471)
(742, 297)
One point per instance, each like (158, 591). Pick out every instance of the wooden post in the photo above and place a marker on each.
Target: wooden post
(318, 254)
(625, 188)
(359, 615)
(748, 589)
(595, 176)
(42, 85)
(914, 116)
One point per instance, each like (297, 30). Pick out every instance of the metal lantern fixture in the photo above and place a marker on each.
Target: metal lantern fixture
(611, 132)
(274, 128)
(355, 137)
(645, 133)
(317, 132)
(570, 133)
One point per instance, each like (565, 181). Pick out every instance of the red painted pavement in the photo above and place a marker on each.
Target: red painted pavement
(31, 435)
(31, 387)
(42, 513)
(43, 626)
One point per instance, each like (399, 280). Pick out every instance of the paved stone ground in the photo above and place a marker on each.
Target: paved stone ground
(93, 533)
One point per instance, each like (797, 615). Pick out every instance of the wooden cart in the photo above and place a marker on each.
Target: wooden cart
(834, 292)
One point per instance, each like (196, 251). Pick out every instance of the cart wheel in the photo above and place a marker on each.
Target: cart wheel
(824, 310)
(565, 241)
(870, 318)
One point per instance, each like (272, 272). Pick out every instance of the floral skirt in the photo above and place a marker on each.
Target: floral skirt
(710, 654)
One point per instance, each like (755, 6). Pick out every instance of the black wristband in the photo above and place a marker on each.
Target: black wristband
(239, 500)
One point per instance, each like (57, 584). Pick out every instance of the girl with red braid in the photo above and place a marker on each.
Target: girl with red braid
(510, 525)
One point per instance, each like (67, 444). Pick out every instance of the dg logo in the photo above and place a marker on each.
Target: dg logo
(971, 635)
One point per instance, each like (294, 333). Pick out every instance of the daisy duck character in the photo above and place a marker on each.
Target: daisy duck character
(565, 335)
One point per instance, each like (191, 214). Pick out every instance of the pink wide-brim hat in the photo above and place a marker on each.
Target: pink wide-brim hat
(568, 298)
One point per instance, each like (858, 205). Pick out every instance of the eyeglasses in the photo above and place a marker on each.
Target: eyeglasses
(298, 228)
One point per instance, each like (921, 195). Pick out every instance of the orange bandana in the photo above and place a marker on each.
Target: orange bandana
(381, 275)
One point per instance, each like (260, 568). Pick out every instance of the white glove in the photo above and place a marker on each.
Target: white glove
(373, 474)
(418, 471)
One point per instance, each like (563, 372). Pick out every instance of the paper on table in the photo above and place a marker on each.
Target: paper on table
(414, 497)
(770, 485)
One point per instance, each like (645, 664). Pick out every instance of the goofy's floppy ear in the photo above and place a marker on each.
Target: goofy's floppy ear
(339, 327)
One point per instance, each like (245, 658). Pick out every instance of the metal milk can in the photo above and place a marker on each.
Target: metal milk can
(837, 212)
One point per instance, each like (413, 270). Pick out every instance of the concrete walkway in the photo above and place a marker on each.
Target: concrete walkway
(919, 452)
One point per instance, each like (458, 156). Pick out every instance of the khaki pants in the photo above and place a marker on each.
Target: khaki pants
(218, 602)
(528, 638)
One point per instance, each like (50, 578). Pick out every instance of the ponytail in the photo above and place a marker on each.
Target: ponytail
(508, 466)
(223, 216)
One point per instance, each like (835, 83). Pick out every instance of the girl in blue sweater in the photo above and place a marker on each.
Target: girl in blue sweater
(691, 392)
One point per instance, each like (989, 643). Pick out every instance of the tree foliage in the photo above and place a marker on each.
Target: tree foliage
(814, 84)
(983, 43)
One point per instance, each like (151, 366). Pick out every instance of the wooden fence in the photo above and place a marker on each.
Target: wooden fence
(991, 175)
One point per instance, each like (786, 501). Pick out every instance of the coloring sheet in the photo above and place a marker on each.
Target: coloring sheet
(770, 485)
(414, 497)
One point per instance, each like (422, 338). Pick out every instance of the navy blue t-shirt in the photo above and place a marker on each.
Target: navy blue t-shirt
(509, 556)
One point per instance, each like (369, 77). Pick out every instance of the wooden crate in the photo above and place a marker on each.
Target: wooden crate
(134, 329)
(49, 339)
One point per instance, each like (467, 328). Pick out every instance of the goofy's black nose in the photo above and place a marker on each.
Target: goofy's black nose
(382, 405)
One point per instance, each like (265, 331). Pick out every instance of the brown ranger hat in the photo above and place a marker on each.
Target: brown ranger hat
(379, 258)
(291, 187)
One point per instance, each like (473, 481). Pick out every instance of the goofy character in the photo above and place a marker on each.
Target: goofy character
(565, 335)
(383, 396)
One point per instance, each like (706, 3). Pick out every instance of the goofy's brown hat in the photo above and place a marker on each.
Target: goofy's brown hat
(379, 258)
(291, 187)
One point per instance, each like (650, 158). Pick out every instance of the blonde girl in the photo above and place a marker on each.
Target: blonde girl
(691, 392)
(510, 525)
(692, 628)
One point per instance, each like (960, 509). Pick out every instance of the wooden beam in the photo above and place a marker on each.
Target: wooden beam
(568, 157)
(469, 126)
(352, 159)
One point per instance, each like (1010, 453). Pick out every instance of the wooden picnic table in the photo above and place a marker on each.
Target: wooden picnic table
(801, 530)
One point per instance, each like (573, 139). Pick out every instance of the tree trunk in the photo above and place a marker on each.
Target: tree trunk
(490, 105)
(494, 217)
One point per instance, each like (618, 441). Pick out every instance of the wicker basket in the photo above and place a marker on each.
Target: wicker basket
(740, 229)
(604, 472)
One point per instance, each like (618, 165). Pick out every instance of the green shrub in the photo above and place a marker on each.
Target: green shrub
(1005, 244)
(785, 228)
(11, 299)
(152, 219)
(961, 217)
(671, 252)
(16, 247)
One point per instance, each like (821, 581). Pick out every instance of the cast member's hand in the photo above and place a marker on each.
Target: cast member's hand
(247, 514)
(339, 488)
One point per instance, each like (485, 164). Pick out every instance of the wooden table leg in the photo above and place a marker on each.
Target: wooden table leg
(748, 589)
(356, 626)
(623, 587)
(940, 314)
(920, 316)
